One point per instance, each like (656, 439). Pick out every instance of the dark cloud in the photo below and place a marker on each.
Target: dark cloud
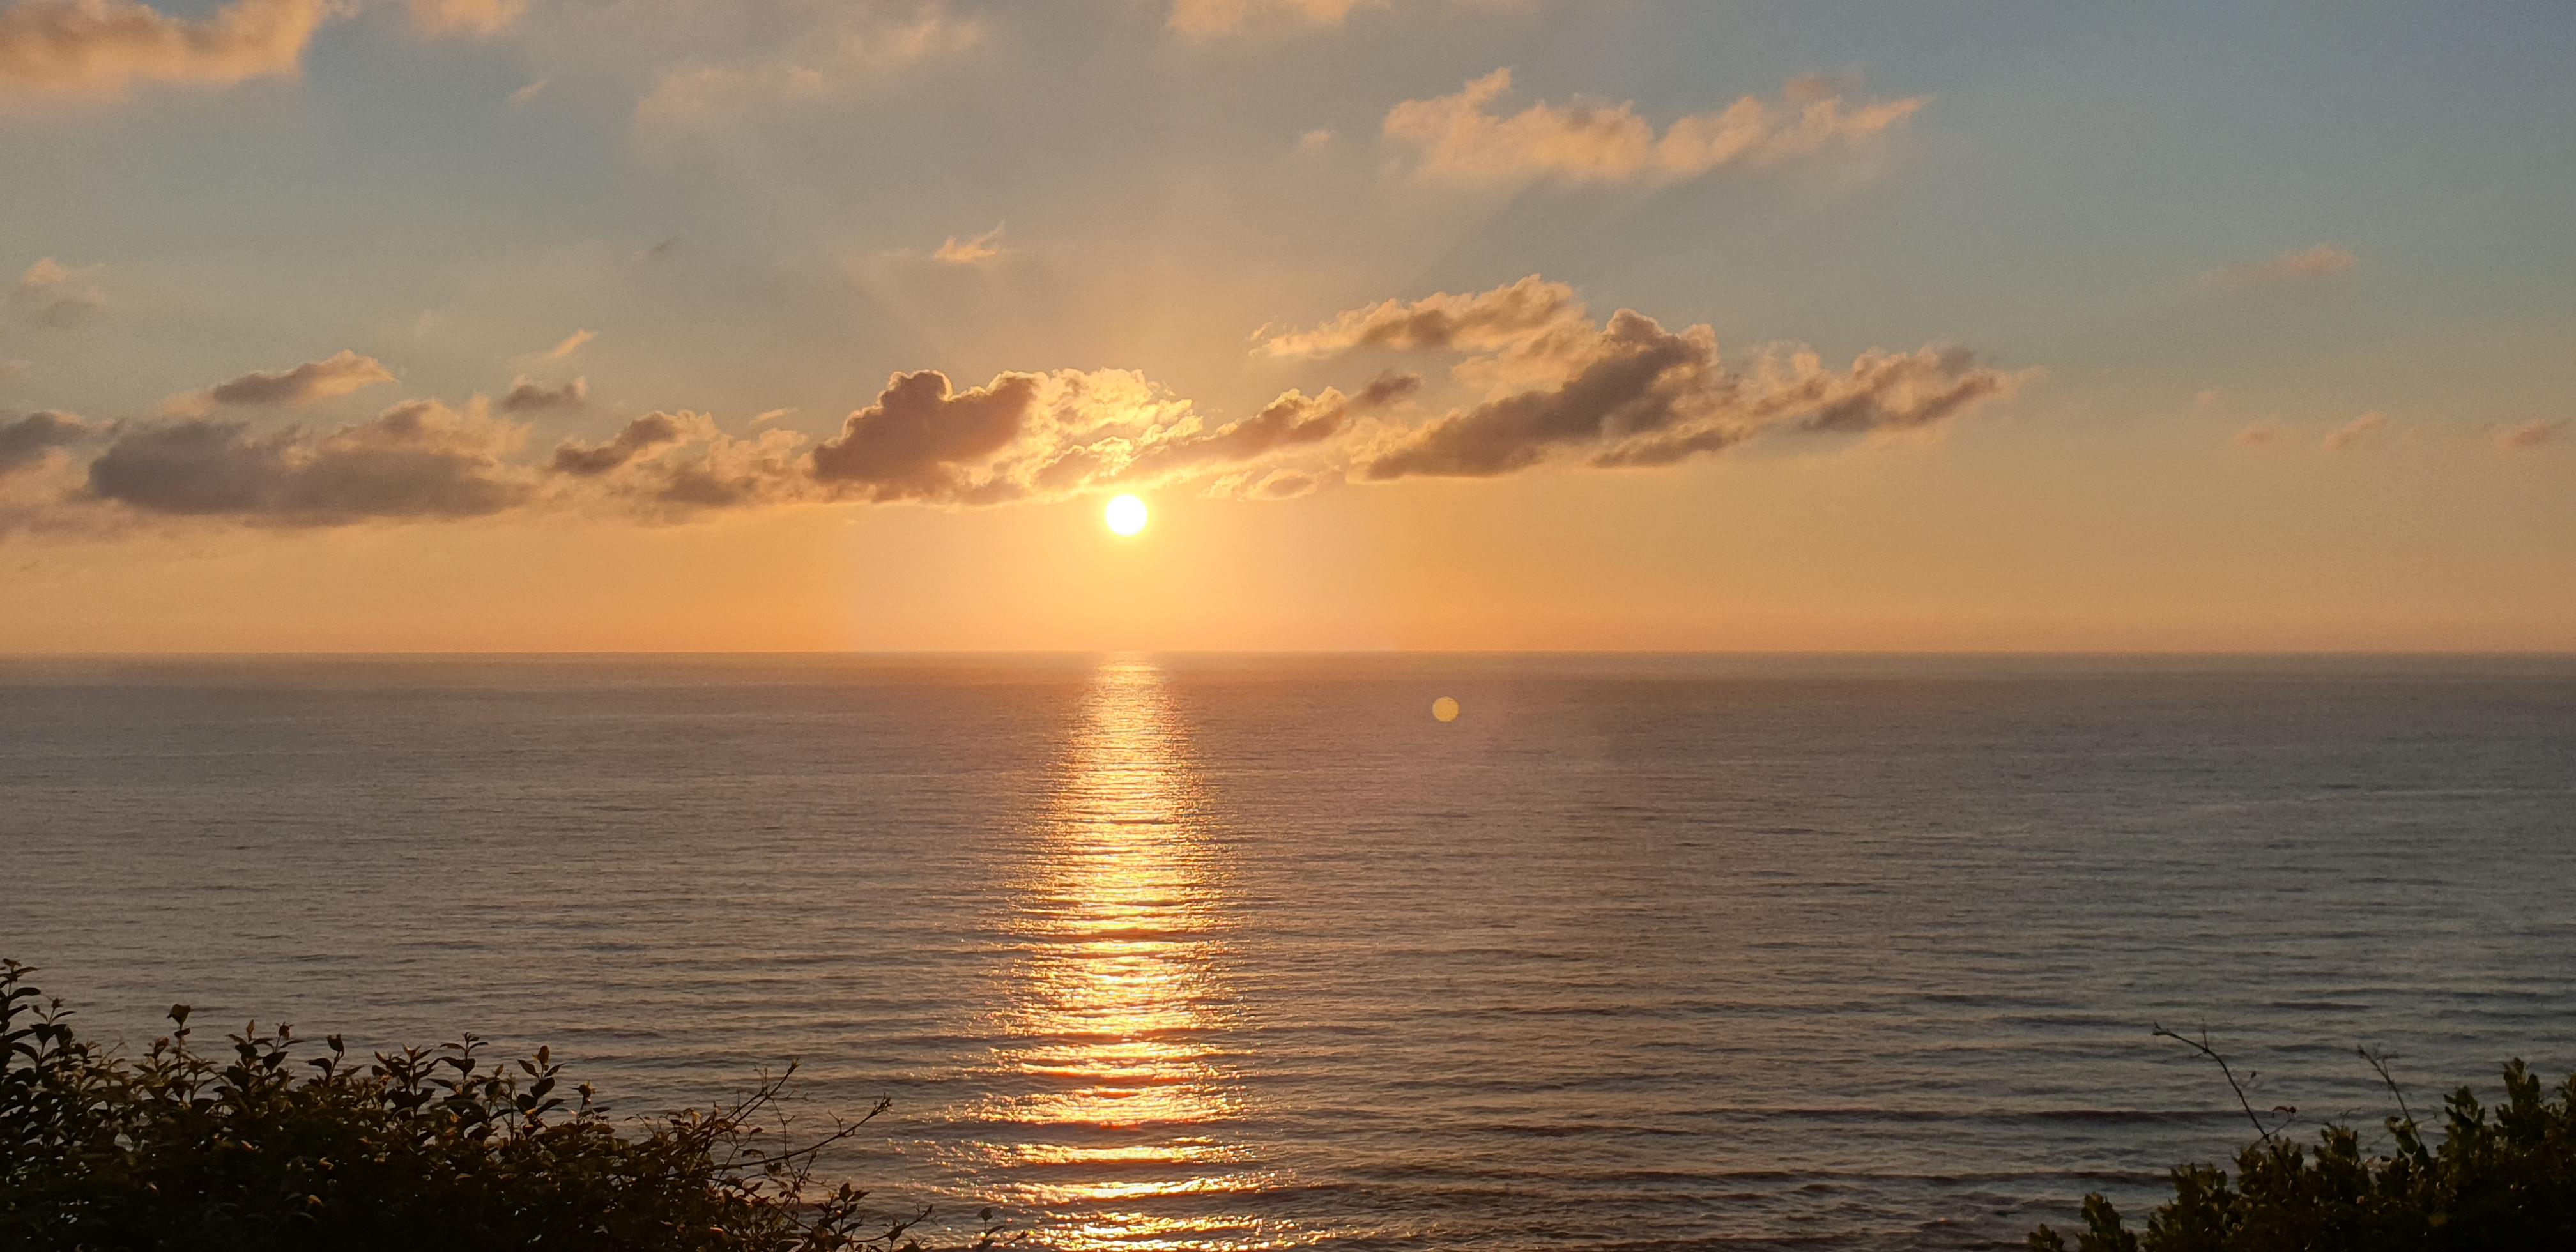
(415, 460)
(1640, 380)
(525, 396)
(1628, 393)
(25, 441)
(920, 441)
(1386, 389)
(643, 435)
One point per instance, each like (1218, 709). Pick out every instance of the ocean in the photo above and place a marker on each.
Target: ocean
(1252, 951)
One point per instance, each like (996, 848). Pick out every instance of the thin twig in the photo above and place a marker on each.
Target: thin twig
(2201, 1045)
(2379, 1061)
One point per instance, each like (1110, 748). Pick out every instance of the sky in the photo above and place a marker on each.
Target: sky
(597, 325)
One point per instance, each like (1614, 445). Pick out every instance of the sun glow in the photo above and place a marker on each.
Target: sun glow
(1125, 515)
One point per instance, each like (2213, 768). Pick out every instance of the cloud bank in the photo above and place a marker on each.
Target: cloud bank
(416, 460)
(1533, 380)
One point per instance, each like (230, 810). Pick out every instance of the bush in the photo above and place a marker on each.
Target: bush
(2503, 1182)
(423, 1148)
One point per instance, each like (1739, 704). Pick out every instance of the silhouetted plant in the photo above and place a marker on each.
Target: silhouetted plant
(2506, 1181)
(418, 1149)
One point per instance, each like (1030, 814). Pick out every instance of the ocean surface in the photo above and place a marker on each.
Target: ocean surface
(1236, 952)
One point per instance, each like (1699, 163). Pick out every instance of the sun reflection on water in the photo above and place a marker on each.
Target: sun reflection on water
(1120, 1097)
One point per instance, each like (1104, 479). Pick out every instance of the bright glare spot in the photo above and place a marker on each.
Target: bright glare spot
(1445, 709)
(1126, 515)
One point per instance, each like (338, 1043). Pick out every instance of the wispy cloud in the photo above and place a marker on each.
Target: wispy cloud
(476, 19)
(2354, 431)
(1208, 18)
(55, 295)
(2325, 260)
(520, 99)
(2535, 433)
(571, 344)
(862, 45)
(101, 49)
(1462, 137)
(2258, 435)
(971, 250)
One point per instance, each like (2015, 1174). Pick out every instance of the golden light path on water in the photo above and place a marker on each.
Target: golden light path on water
(1121, 1097)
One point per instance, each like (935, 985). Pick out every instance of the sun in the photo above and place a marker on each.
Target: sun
(1125, 515)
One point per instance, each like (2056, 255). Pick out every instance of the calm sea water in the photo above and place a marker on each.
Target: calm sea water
(1252, 952)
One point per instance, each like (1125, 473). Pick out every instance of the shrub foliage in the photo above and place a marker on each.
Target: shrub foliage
(2500, 1178)
(260, 1146)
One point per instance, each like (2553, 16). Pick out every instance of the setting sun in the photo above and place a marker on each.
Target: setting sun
(1125, 515)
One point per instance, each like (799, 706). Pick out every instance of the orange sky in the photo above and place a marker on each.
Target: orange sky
(1422, 324)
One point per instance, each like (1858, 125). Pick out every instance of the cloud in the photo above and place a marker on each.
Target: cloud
(519, 99)
(1481, 322)
(571, 344)
(2354, 431)
(2532, 434)
(2208, 398)
(2322, 261)
(12, 369)
(50, 294)
(669, 466)
(639, 438)
(337, 375)
(1208, 18)
(526, 396)
(921, 441)
(1315, 140)
(983, 247)
(1460, 138)
(1293, 421)
(477, 19)
(865, 44)
(27, 440)
(416, 460)
(1627, 392)
(1537, 381)
(2258, 435)
(101, 49)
